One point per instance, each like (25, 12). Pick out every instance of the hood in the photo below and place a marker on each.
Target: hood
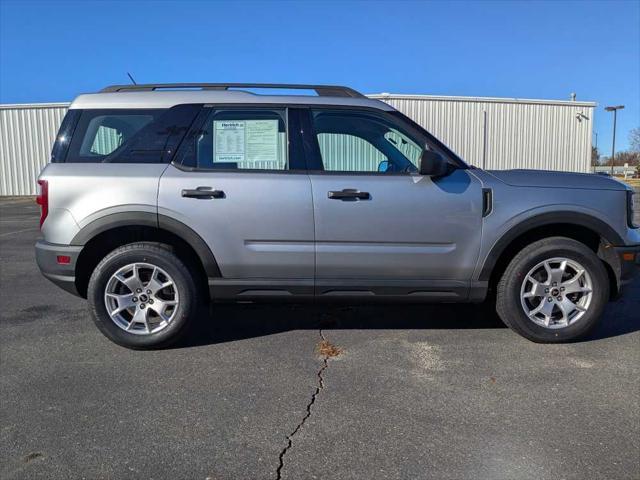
(554, 179)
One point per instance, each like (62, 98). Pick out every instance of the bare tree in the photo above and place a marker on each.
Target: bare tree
(634, 140)
(595, 156)
(631, 158)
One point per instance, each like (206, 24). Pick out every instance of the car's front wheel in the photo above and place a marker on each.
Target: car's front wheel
(554, 290)
(141, 296)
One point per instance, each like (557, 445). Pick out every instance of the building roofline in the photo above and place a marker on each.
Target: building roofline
(400, 96)
(9, 106)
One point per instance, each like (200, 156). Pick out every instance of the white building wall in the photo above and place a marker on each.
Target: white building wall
(503, 133)
(27, 133)
(493, 133)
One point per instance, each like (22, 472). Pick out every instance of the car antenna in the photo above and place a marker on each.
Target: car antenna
(132, 80)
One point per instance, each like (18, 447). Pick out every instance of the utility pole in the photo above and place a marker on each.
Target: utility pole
(613, 144)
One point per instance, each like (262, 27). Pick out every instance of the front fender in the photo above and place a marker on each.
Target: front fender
(529, 220)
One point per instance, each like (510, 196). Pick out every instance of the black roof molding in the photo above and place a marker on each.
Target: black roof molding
(321, 90)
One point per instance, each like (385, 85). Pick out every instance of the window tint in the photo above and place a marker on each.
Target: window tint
(352, 141)
(101, 133)
(157, 142)
(106, 133)
(239, 139)
(61, 144)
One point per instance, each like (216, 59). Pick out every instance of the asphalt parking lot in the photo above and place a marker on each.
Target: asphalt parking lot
(443, 392)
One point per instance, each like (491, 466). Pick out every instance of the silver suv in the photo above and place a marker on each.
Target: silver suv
(159, 197)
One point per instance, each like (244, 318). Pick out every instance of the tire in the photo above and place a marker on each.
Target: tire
(154, 320)
(524, 279)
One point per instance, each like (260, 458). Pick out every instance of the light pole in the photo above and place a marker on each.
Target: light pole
(613, 145)
(597, 152)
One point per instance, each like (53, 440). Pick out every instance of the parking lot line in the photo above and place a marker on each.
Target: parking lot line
(18, 231)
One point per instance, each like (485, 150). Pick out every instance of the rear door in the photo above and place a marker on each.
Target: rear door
(382, 228)
(239, 186)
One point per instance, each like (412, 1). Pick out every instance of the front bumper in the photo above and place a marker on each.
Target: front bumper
(63, 275)
(629, 263)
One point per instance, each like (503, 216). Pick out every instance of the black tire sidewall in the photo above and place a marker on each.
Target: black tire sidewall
(142, 254)
(509, 292)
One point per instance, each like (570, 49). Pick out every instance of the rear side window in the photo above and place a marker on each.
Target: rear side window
(238, 139)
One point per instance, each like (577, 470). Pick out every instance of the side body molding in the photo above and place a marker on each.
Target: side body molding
(153, 220)
(550, 218)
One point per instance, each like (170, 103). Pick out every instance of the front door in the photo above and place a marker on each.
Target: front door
(381, 228)
(235, 183)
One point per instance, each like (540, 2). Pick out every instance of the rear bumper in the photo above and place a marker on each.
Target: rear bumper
(63, 275)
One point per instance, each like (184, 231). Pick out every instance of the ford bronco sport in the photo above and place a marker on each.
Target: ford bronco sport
(159, 197)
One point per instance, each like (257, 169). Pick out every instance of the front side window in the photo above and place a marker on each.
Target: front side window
(353, 141)
(239, 139)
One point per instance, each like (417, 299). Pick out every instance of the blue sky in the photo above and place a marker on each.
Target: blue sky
(52, 51)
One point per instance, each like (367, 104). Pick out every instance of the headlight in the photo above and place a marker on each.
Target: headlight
(631, 210)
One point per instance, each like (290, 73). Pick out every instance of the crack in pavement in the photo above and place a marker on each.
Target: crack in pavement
(325, 365)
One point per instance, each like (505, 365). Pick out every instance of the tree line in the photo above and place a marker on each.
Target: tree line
(631, 156)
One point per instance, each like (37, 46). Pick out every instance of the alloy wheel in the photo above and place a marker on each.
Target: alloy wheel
(141, 298)
(556, 293)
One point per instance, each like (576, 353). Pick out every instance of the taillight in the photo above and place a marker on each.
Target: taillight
(43, 200)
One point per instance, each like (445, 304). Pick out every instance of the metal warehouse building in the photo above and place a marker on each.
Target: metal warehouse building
(493, 133)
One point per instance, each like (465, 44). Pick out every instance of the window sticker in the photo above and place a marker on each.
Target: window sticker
(229, 138)
(262, 140)
(247, 141)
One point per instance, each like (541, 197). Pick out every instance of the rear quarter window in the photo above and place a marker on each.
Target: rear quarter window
(106, 133)
(65, 134)
(123, 136)
(101, 134)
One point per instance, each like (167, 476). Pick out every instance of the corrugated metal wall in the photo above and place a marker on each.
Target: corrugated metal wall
(502, 133)
(27, 133)
(490, 133)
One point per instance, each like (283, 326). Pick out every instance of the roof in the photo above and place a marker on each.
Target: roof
(167, 99)
(396, 96)
(163, 99)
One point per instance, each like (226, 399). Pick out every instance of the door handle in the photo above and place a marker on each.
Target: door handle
(202, 192)
(349, 194)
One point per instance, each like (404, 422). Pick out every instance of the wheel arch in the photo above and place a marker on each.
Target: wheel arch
(589, 230)
(114, 230)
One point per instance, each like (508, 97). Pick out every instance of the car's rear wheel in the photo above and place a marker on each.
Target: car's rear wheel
(142, 296)
(554, 290)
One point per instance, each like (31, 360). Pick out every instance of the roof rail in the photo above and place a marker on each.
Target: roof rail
(321, 90)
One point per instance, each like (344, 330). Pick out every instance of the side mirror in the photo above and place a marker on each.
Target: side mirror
(432, 164)
(383, 166)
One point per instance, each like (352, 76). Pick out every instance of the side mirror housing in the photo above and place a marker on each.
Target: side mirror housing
(432, 164)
